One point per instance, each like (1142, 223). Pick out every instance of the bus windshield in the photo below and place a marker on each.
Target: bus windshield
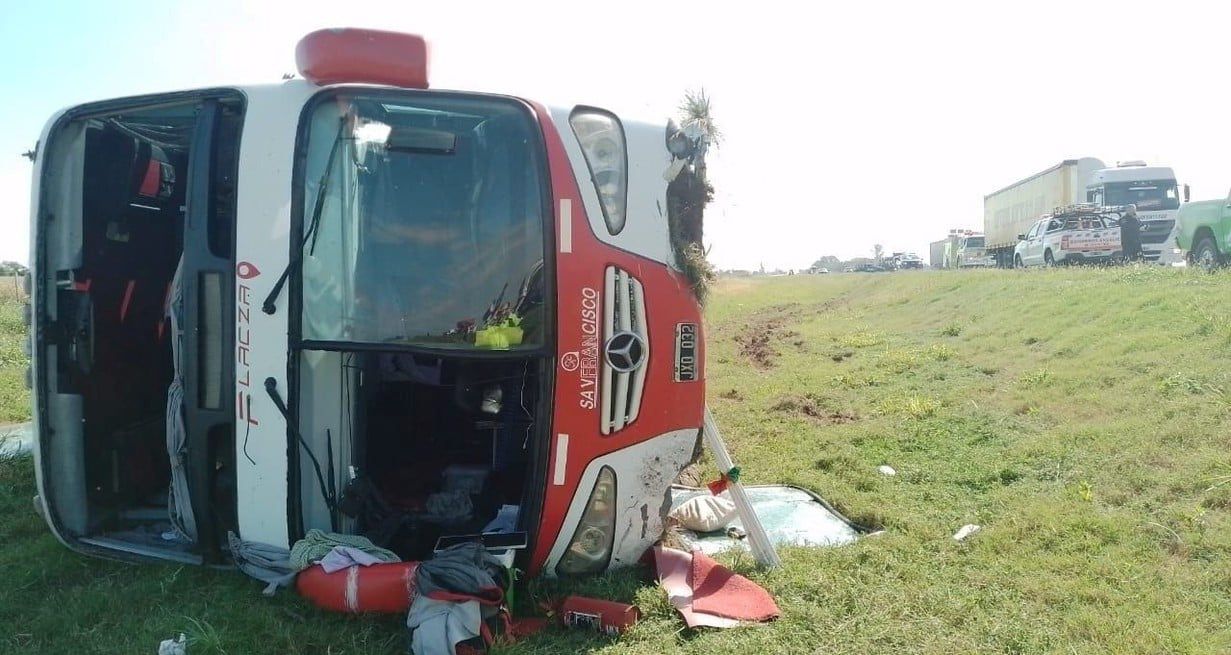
(423, 222)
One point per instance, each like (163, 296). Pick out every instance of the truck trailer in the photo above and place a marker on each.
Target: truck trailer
(936, 253)
(1014, 209)
(262, 310)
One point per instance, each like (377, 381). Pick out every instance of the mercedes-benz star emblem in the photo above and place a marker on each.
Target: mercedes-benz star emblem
(625, 352)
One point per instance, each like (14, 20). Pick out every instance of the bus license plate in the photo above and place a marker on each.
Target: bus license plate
(686, 352)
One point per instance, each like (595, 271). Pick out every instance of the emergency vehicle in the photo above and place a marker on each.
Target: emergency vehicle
(1078, 234)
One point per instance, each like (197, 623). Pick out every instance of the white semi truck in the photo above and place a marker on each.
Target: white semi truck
(1155, 194)
(1014, 209)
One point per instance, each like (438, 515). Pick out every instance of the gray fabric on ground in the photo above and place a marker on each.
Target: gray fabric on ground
(317, 543)
(266, 563)
(466, 568)
(440, 625)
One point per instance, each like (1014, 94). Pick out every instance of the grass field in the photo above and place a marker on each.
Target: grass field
(14, 404)
(1080, 416)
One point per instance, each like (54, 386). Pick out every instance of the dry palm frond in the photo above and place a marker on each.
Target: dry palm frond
(696, 110)
(698, 270)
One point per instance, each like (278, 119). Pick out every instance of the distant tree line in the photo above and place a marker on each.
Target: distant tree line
(835, 264)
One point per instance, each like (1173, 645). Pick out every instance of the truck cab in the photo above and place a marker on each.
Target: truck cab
(1155, 193)
(1203, 231)
(355, 303)
(972, 253)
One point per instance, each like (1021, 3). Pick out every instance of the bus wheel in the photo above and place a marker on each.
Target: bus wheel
(1206, 255)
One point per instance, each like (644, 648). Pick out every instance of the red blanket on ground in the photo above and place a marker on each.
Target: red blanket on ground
(709, 594)
(718, 590)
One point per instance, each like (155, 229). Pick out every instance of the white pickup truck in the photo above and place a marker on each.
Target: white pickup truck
(1079, 234)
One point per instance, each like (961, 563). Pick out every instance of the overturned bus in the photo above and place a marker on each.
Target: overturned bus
(352, 303)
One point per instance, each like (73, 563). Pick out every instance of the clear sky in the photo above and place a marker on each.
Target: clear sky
(847, 124)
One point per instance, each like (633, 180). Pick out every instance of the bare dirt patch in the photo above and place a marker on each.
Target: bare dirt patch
(731, 394)
(757, 339)
(841, 355)
(755, 347)
(814, 409)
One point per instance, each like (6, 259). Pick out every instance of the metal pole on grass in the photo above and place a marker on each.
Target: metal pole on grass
(762, 547)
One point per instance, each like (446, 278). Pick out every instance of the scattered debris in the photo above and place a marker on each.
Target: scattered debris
(177, 646)
(316, 544)
(886, 469)
(724, 481)
(459, 591)
(791, 517)
(605, 616)
(966, 531)
(691, 476)
(704, 513)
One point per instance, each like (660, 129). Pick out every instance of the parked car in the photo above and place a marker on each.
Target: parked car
(909, 261)
(1080, 234)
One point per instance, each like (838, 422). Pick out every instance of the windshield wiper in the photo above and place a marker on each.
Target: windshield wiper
(270, 306)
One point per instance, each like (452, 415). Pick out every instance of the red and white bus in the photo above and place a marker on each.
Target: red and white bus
(354, 303)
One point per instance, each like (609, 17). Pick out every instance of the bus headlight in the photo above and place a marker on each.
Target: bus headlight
(590, 549)
(602, 142)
